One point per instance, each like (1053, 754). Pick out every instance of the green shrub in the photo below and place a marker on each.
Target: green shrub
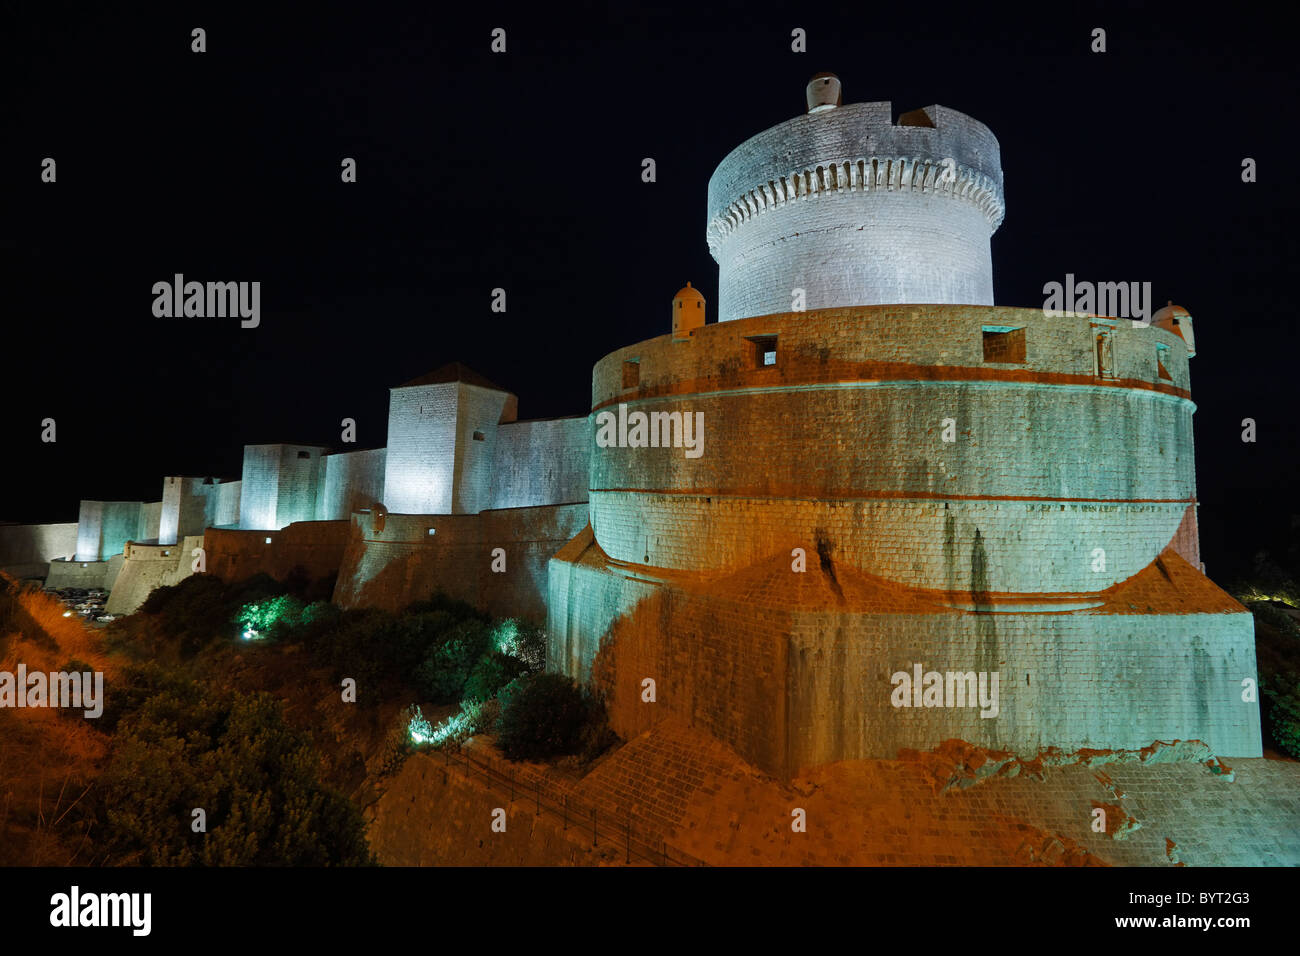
(542, 715)
(1281, 711)
(522, 639)
(415, 635)
(493, 671)
(453, 606)
(256, 778)
(447, 667)
(191, 614)
(272, 617)
(357, 644)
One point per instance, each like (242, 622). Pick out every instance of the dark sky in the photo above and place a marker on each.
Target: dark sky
(523, 171)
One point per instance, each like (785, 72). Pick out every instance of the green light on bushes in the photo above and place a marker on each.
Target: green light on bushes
(420, 729)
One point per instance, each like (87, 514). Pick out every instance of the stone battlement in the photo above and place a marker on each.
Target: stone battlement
(935, 343)
(898, 174)
(844, 207)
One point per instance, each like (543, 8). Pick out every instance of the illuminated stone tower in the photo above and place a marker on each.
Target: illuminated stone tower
(442, 430)
(897, 474)
(854, 208)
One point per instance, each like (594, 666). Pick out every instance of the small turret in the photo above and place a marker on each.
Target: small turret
(824, 92)
(1176, 319)
(688, 312)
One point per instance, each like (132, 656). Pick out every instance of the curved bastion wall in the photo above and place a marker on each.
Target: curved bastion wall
(149, 566)
(856, 210)
(839, 446)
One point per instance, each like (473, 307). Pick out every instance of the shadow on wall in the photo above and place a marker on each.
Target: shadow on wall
(402, 579)
(727, 680)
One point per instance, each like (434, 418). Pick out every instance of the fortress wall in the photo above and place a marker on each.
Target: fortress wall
(148, 566)
(541, 462)
(1104, 681)
(149, 526)
(716, 664)
(259, 484)
(421, 449)
(790, 688)
(394, 561)
(104, 527)
(225, 505)
(77, 574)
(1009, 440)
(169, 515)
(315, 546)
(187, 506)
(887, 343)
(1187, 539)
(353, 481)
(1000, 546)
(278, 485)
(478, 410)
(299, 473)
(1044, 468)
(27, 549)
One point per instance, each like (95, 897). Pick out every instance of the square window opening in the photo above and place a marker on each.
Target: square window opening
(763, 351)
(1003, 343)
(304, 454)
(479, 436)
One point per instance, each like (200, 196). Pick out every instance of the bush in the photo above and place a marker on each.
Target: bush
(270, 618)
(521, 639)
(137, 684)
(356, 644)
(446, 669)
(542, 715)
(416, 634)
(1281, 693)
(191, 613)
(256, 778)
(453, 606)
(493, 671)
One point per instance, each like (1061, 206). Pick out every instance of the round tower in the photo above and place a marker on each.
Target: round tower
(688, 312)
(844, 207)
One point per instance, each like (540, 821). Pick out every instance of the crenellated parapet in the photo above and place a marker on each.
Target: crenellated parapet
(844, 206)
(898, 174)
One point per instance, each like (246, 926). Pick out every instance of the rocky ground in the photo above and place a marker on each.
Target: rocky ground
(1171, 804)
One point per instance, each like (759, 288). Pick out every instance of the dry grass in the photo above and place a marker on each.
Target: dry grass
(49, 758)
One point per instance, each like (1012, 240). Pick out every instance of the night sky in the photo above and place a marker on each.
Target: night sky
(522, 171)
